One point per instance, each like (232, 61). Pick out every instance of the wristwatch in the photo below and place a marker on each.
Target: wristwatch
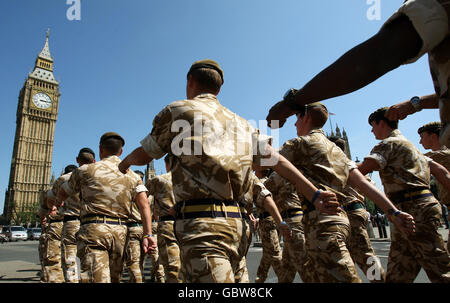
(415, 103)
(289, 98)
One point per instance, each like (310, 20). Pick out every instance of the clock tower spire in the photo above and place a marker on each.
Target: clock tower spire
(37, 112)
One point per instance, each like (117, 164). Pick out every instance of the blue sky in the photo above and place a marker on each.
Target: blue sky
(125, 60)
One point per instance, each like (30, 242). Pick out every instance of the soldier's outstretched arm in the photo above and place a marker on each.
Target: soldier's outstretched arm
(137, 157)
(324, 201)
(148, 243)
(402, 220)
(393, 45)
(441, 174)
(403, 109)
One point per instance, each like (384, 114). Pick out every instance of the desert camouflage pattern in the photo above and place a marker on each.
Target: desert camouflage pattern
(359, 244)
(41, 249)
(157, 271)
(100, 248)
(134, 254)
(425, 249)
(326, 238)
(69, 250)
(401, 165)
(211, 249)
(327, 167)
(271, 255)
(52, 253)
(169, 251)
(72, 204)
(105, 190)
(160, 187)
(361, 249)
(286, 198)
(320, 160)
(218, 162)
(442, 157)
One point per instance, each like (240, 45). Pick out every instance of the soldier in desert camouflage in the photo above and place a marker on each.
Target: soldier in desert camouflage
(405, 174)
(328, 167)
(359, 244)
(107, 201)
(71, 212)
(429, 138)
(210, 174)
(160, 187)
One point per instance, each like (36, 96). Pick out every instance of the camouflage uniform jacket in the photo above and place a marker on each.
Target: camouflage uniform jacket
(160, 187)
(442, 157)
(72, 204)
(256, 195)
(105, 190)
(320, 160)
(401, 165)
(44, 211)
(213, 148)
(284, 193)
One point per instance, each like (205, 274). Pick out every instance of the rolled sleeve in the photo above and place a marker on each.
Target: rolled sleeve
(141, 188)
(152, 148)
(381, 161)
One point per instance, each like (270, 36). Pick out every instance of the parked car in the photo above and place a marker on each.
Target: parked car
(15, 233)
(34, 233)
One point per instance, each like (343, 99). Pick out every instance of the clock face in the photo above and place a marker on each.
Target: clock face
(42, 100)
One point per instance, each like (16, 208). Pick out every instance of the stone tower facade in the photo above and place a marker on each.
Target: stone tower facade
(31, 162)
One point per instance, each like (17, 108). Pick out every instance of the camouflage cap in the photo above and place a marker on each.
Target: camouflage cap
(111, 135)
(206, 63)
(432, 127)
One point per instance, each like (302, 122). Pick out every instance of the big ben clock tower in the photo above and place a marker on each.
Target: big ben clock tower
(31, 162)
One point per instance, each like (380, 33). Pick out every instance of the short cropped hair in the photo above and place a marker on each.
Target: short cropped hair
(318, 113)
(86, 155)
(432, 128)
(141, 174)
(112, 145)
(378, 115)
(207, 78)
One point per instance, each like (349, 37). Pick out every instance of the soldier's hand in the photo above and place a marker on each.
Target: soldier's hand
(405, 222)
(123, 167)
(399, 111)
(53, 211)
(278, 115)
(285, 230)
(149, 245)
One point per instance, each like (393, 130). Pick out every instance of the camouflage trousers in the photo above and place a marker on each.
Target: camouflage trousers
(326, 237)
(100, 247)
(241, 273)
(169, 251)
(360, 247)
(41, 249)
(69, 250)
(134, 254)
(157, 271)
(425, 248)
(53, 272)
(212, 249)
(271, 255)
(294, 254)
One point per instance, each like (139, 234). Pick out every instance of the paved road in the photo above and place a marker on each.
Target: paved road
(19, 262)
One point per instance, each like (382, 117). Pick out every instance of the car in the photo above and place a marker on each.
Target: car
(3, 238)
(34, 233)
(15, 233)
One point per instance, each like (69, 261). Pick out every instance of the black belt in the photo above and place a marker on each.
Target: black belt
(71, 218)
(290, 213)
(133, 224)
(353, 206)
(264, 215)
(88, 219)
(54, 220)
(208, 208)
(409, 195)
(167, 218)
